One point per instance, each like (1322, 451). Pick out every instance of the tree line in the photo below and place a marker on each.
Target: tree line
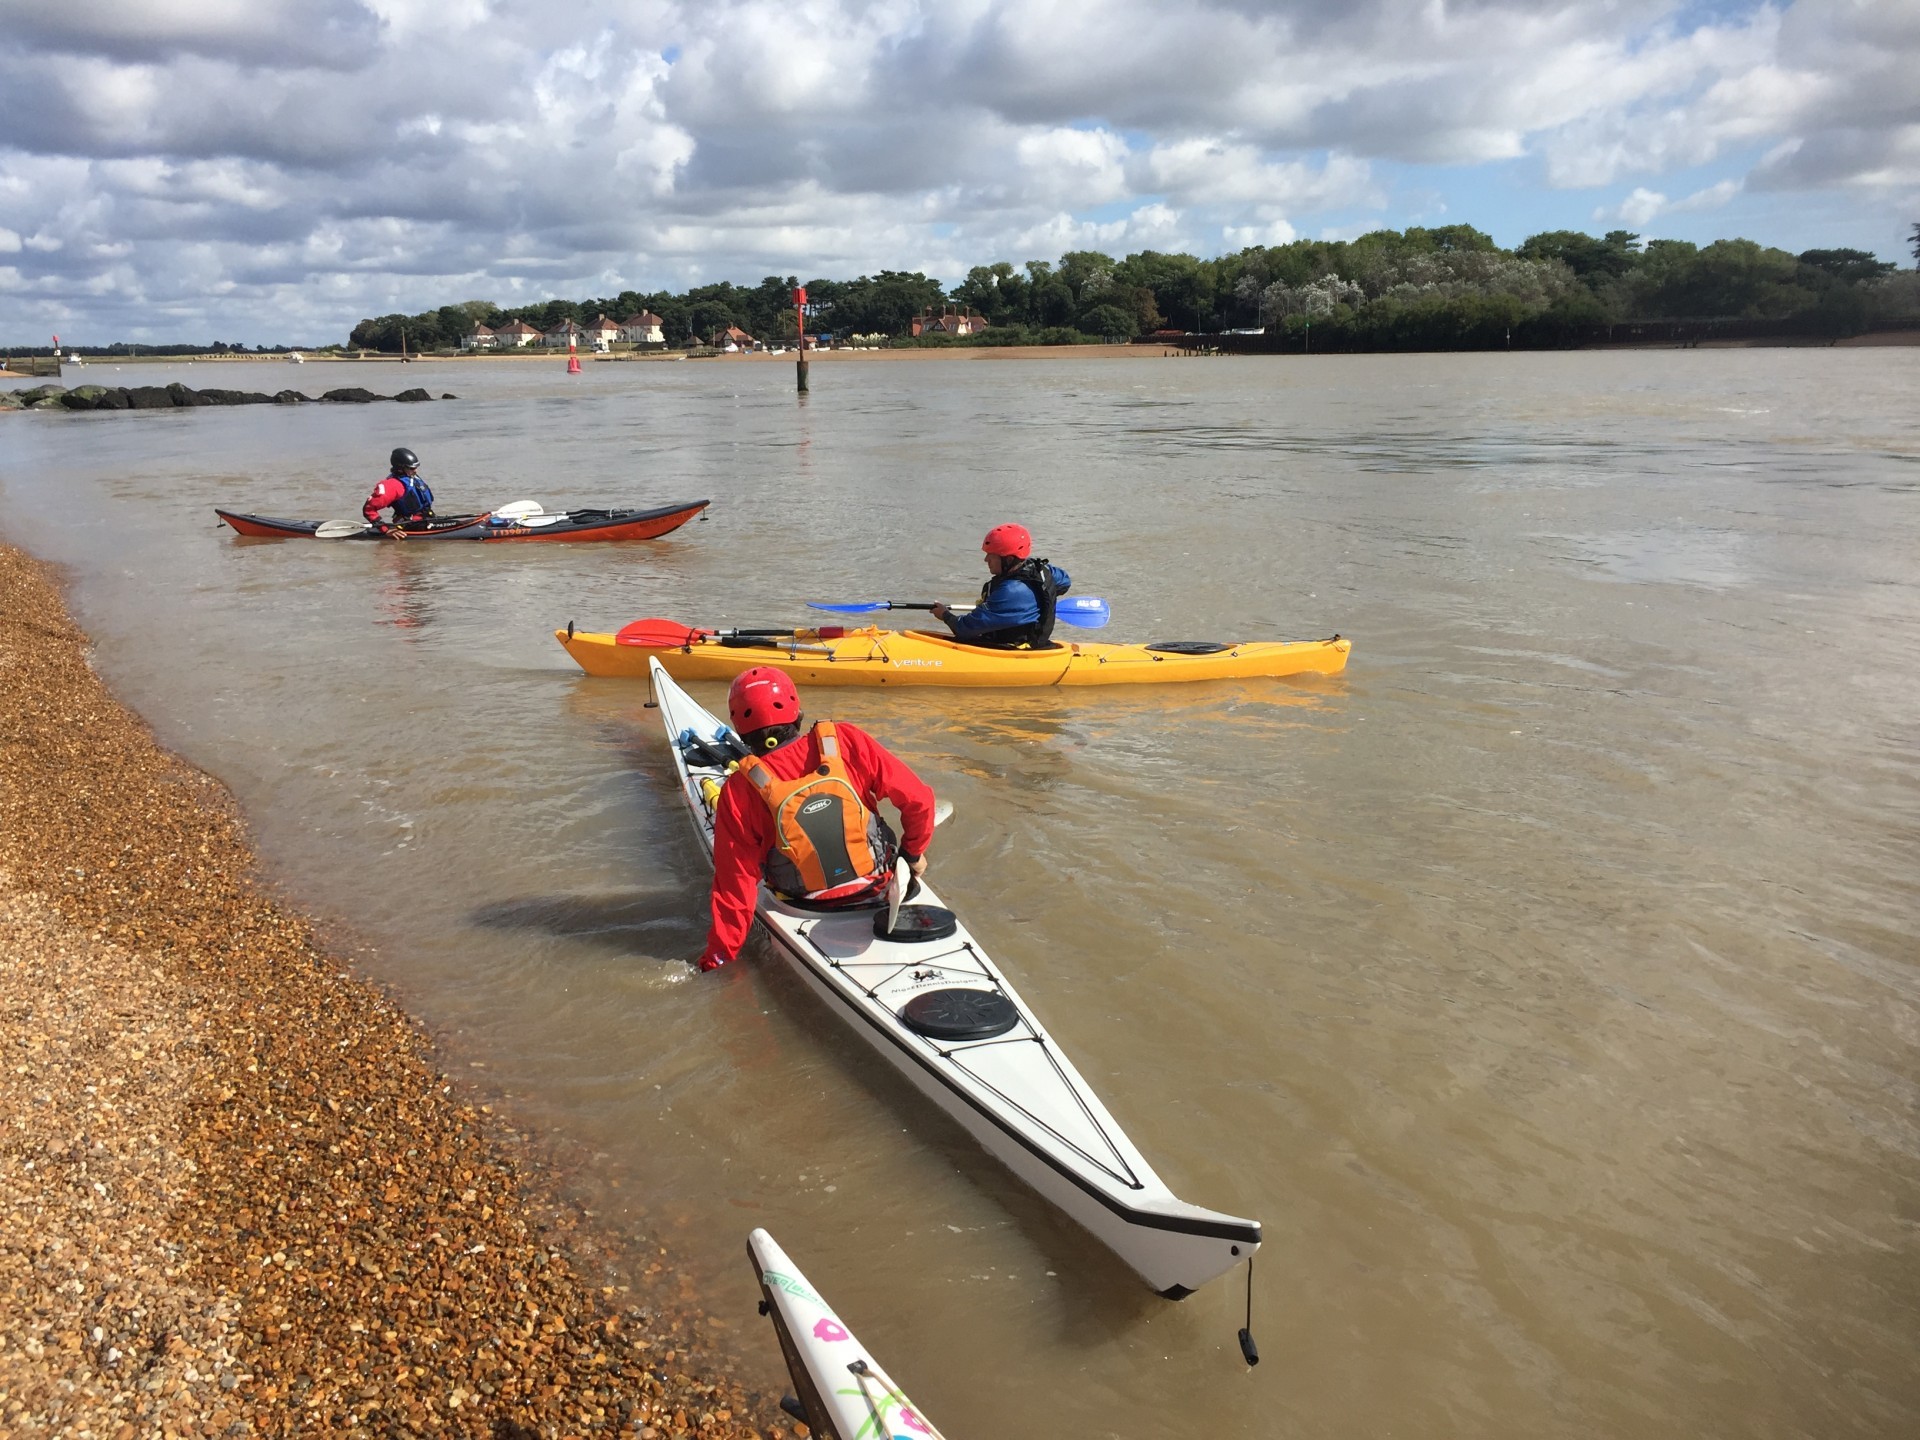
(1447, 287)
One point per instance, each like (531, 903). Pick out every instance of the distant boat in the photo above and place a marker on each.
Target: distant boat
(294, 357)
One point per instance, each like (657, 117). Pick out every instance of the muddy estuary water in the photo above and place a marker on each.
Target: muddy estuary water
(1548, 984)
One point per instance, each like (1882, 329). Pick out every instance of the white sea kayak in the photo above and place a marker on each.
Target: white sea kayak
(846, 1395)
(942, 1013)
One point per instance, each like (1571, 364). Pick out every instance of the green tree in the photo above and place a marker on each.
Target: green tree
(1728, 279)
(885, 304)
(1448, 240)
(1110, 321)
(1086, 273)
(1849, 267)
(1592, 261)
(1178, 284)
(452, 325)
(1049, 295)
(554, 312)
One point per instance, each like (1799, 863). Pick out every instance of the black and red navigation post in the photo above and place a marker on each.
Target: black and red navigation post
(800, 324)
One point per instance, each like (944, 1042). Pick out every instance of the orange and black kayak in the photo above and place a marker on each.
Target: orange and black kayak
(492, 526)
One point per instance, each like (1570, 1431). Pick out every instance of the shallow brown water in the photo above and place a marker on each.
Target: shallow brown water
(1548, 984)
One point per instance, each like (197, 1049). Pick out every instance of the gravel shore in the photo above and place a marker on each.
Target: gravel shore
(236, 1196)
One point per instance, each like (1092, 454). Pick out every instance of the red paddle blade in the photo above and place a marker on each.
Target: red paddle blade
(657, 634)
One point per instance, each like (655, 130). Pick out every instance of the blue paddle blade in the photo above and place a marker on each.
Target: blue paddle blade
(864, 607)
(1088, 612)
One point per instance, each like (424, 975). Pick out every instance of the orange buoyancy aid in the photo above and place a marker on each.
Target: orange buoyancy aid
(826, 842)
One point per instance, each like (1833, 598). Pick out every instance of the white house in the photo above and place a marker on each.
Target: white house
(646, 328)
(516, 335)
(482, 339)
(563, 334)
(601, 333)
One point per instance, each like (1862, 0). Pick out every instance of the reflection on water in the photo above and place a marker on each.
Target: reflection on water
(1672, 557)
(663, 922)
(1546, 983)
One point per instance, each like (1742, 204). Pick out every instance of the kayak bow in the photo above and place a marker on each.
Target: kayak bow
(846, 1395)
(939, 1010)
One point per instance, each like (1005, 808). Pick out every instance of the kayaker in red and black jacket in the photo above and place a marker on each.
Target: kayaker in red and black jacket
(1016, 606)
(770, 824)
(404, 491)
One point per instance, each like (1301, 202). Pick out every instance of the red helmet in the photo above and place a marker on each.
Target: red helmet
(1008, 540)
(761, 697)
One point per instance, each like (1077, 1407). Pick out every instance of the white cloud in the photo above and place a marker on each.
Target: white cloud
(1270, 232)
(292, 165)
(1084, 167)
(1205, 170)
(1634, 211)
(1710, 198)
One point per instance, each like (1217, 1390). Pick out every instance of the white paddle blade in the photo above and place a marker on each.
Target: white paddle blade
(896, 891)
(534, 522)
(518, 509)
(340, 529)
(942, 811)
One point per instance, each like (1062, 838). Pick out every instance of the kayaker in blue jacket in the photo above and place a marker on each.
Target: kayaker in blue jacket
(1016, 606)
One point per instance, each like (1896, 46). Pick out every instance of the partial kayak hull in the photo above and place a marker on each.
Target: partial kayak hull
(1014, 1090)
(574, 525)
(846, 1395)
(870, 656)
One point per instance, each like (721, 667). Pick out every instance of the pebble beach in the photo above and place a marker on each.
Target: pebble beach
(237, 1196)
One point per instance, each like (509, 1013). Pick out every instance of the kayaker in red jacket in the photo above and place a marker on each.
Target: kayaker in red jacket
(799, 813)
(404, 491)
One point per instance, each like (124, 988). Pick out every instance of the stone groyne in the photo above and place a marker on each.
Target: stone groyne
(177, 396)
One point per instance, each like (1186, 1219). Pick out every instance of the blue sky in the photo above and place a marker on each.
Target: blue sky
(275, 170)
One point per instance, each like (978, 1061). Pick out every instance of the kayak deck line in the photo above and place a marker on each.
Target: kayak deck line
(1123, 1174)
(1226, 1228)
(1014, 1090)
(1245, 1232)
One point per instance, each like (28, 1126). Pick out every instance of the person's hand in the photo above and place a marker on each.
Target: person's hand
(916, 865)
(712, 962)
(394, 532)
(940, 609)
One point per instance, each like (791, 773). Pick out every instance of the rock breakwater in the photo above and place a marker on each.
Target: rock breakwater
(177, 396)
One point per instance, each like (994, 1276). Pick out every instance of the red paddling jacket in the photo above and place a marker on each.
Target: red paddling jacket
(743, 825)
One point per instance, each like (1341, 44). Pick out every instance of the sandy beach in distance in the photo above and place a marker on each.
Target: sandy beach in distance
(238, 1197)
(1137, 350)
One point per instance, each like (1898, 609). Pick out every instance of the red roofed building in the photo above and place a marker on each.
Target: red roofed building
(950, 321)
(601, 333)
(646, 328)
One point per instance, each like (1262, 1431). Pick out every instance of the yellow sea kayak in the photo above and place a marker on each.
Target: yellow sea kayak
(871, 656)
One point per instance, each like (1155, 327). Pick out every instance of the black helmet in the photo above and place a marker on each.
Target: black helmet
(404, 459)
